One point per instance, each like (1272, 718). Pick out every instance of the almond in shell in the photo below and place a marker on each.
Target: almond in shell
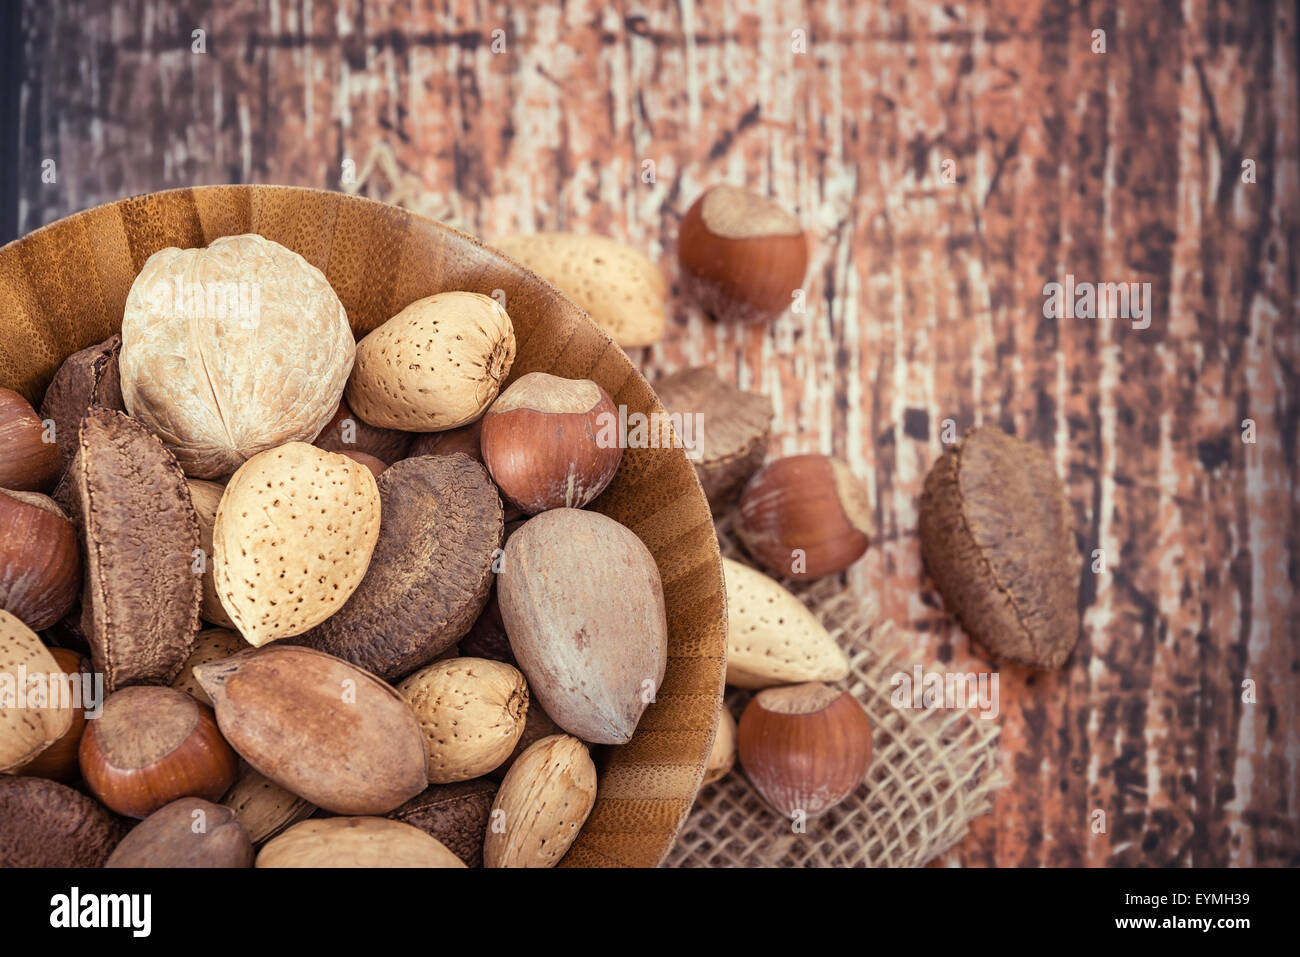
(435, 365)
(212, 644)
(772, 638)
(618, 286)
(542, 803)
(292, 539)
(30, 719)
(263, 807)
(471, 711)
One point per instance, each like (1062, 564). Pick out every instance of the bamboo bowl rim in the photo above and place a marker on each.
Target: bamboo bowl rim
(62, 288)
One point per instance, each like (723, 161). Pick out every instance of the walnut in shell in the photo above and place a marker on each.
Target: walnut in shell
(231, 350)
(430, 573)
(435, 365)
(140, 605)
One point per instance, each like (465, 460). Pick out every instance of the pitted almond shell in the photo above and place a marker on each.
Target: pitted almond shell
(292, 539)
(618, 286)
(772, 638)
(28, 730)
(543, 802)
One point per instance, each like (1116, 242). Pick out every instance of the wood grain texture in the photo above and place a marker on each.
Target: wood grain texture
(924, 297)
(647, 785)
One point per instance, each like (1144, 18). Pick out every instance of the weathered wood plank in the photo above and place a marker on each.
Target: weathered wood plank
(924, 298)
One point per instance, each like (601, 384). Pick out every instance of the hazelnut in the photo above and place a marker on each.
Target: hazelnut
(40, 562)
(805, 516)
(551, 442)
(742, 256)
(151, 746)
(804, 747)
(29, 456)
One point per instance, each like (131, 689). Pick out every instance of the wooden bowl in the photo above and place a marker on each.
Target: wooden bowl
(63, 287)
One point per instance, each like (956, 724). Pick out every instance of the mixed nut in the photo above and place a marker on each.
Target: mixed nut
(345, 602)
(267, 539)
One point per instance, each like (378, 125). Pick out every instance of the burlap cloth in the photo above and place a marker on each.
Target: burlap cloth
(932, 771)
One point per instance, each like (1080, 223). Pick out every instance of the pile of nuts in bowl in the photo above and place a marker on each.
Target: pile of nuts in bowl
(340, 603)
(259, 542)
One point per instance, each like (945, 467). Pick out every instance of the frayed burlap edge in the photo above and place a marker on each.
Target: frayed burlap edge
(932, 771)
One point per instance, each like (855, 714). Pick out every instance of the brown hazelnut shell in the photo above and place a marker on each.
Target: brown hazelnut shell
(741, 255)
(151, 746)
(805, 516)
(551, 442)
(28, 463)
(804, 747)
(40, 561)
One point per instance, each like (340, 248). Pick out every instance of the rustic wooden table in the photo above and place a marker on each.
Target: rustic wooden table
(950, 159)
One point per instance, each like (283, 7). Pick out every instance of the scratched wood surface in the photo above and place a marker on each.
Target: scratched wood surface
(924, 297)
